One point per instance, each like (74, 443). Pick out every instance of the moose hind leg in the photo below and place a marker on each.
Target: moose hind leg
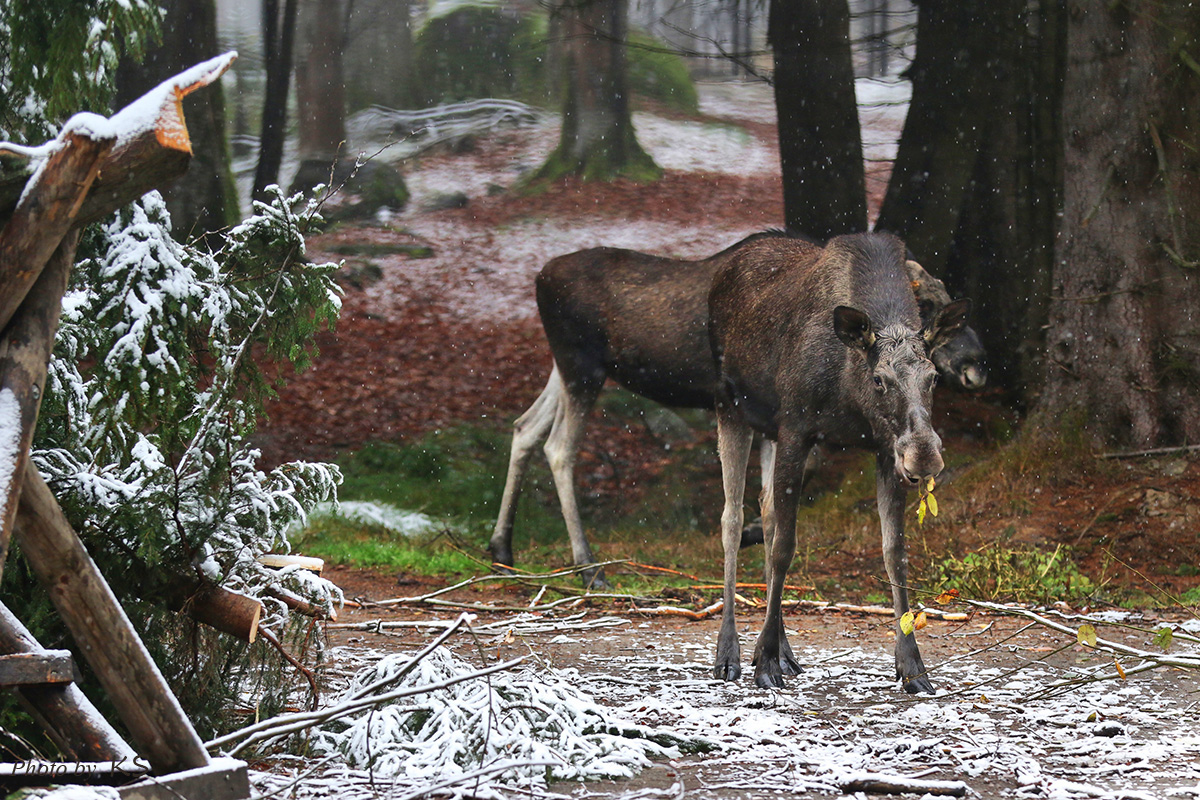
(734, 439)
(562, 450)
(910, 668)
(530, 430)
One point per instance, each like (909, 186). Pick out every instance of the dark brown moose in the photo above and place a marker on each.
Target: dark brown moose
(642, 320)
(821, 345)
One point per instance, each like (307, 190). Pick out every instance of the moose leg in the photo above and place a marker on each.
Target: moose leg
(766, 501)
(910, 669)
(772, 655)
(562, 449)
(734, 439)
(530, 430)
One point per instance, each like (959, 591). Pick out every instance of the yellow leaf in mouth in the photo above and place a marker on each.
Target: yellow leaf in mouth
(907, 623)
(921, 621)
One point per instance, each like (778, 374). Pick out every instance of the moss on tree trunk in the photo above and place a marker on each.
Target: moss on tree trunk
(597, 141)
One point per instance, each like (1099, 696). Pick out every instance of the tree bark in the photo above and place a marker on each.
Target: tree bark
(973, 191)
(820, 143)
(1123, 350)
(320, 83)
(204, 200)
(279, 31)
(597, 141)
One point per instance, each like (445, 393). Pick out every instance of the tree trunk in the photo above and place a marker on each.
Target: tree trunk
(279, 29)
(205, 199)
(379, 55)
(597, 141)
(973, 191)
(1123, 350)
(820, 143)
(320, 84)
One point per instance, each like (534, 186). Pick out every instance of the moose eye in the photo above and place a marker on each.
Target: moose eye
(878, 381)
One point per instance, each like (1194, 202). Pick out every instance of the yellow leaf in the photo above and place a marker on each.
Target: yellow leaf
(932, 483)
(921, 512)
(932, 503)
(1086, 635)
(1120, 669)
(907, 621)
(921, 621)
(947, 596)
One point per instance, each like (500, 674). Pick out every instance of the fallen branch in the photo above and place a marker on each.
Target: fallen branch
(523, 625)
(688, 613)
(303, 670)
(877, 783)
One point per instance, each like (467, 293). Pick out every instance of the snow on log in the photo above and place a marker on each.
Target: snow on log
(280, 560)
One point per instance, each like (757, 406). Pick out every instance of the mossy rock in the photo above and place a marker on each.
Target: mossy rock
(475, 51)
(371, 186)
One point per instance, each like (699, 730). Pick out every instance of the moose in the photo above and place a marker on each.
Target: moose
(821, 345)
(642, 320)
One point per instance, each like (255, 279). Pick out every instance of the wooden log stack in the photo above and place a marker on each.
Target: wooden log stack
(94, 166)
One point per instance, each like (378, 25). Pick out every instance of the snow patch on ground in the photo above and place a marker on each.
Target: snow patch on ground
(406, 523)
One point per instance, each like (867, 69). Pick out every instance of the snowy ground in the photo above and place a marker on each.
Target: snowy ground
(991, 725)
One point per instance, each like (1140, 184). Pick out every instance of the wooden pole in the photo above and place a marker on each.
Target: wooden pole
(24, 354)
(156, 723)
(44, 214)
(63, 711)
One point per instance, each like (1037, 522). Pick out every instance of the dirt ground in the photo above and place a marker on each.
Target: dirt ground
(992, 726)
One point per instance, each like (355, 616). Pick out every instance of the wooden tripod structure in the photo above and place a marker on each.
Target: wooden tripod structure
(95, 166)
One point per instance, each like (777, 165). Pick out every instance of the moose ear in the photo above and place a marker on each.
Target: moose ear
(853, 327)
(949, 321)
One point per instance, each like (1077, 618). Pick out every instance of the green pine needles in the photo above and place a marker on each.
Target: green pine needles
(164, 358)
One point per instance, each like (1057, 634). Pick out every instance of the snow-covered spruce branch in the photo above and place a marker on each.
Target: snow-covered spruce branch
(287, 724)
(451, 629)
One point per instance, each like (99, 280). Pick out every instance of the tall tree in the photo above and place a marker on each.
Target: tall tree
(820, 143)
(1123, 349)
(973, 190)
(379, 54)
(205, 199)
(320, 82)
(597, 141)
(279, 32)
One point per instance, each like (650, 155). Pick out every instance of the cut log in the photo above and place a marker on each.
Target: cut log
(227, 611)
(280, 560)
(152, 146)
(36, 669)
(25, 348)
(63, 712)
(136, 688)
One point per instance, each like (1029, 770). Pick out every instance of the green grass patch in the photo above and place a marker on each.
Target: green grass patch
(342, 541)
(999, 572)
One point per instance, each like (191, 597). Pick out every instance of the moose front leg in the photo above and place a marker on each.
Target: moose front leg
(766, 503)
(910, 669)
(772, 655)
(734, 439)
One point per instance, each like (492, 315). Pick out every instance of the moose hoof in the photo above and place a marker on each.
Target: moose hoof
(918, 685)
(768, 679)
(788, 666)
(594, 581)
(727, 671)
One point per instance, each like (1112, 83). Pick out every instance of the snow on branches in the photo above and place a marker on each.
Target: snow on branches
(153, 394)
